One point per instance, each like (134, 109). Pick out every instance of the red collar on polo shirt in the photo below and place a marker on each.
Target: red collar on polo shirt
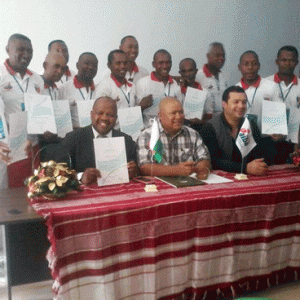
(68, 73)
(134, 68)
(196, 85)
(155, 78)
(119, 83)
(79, 85)
(206, 71)
(277, 79)
(245, 86)
(12, 71)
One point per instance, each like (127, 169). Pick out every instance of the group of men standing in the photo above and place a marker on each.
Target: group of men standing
(186, 142)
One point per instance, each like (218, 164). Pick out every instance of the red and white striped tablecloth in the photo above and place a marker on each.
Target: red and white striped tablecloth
(119, 242)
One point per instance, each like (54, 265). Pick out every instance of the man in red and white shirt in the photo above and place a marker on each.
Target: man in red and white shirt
(257, 89)
(61, 47)
(188, 70)
(15, 80)
(130, 46)
(162, 63)
(82, 86)
(211, 77)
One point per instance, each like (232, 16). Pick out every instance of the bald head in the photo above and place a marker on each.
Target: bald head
(54, 66)
(104, 115)
(171, 115)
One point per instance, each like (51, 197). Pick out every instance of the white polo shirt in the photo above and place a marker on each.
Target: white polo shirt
(51, 91)
(215, 86)
(134, 76)
(3, 169)
(13, 87)
(124, 91)
(289, 94)
(208, 105)
(74, 91)
(143, 89)
(262, 89)
(68, 76)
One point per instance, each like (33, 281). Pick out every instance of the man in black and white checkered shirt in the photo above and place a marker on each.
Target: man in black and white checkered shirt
(184, 152)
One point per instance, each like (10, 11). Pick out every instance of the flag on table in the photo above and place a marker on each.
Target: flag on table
(155, 145)
(245, 141)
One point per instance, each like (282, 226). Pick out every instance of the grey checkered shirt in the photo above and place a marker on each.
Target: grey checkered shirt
(186, 145)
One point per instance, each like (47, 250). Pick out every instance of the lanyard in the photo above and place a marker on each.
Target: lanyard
(83, 95)
(169, 86)
(253, 98)
(127, 97)
(283, 98)
(16, 80)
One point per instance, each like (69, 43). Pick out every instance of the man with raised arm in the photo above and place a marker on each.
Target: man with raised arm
(79, 143)
(184, 152)
(211, 77)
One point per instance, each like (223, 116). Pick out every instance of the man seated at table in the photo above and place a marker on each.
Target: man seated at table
(79, 143)
(184, 152)
(220, 133)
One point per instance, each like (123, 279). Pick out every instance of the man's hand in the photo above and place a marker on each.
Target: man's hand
(28, 148)
(90, 176)
(4, 153)
(185, 168)
(257, 167)
(277, 137)
(202, 169)
(146, 102)
(132, 169)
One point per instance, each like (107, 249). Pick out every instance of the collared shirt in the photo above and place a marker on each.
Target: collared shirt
(186, 145)
(215, 86)
(262, 89)
(74, 91)
(97, 135)
(67, 76)
(134, 76)
(289, 94)
(51, 91)
(144, 89)
(13, 87)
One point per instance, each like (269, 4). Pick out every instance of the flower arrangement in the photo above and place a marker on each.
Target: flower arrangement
(52, 180)
(296, 159)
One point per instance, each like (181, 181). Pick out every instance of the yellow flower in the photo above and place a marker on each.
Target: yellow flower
(60, 180)
(51, 186)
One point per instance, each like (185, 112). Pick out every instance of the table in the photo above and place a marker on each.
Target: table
(25, 240)
(119, 242)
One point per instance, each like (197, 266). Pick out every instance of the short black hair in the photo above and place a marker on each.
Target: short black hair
(127, 37)
(163, 51)
(87, 53)
(249, 52)
(111, 55)
(188, 59)
(235, 89)
(288, 48)
(18, 36)
(56, 41)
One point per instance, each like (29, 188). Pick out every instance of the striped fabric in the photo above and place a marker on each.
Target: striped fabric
(118, 242)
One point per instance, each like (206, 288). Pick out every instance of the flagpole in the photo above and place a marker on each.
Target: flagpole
(242, 165)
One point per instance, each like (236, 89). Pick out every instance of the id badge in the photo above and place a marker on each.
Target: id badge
(252, 117)
(23, 106)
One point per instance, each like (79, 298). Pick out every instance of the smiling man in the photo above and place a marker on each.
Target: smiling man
(220, 133)
(183, 148)
(79, 143)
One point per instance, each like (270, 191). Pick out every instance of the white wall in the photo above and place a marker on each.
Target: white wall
(185, 28)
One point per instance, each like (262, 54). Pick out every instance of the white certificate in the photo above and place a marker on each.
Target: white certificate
(84, 112)
(293, 125)
(131, 121)
(40, 114)
(194, 103)
(110, 156)
(3, 129)
(63, 118)
(274, 118)
(157, 90)
(18, 135)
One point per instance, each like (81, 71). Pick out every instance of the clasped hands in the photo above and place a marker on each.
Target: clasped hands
(5, 151)
(202, 169)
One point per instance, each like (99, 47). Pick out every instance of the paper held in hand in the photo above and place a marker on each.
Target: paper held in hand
(111, 161)
(62, 117)
(40, 116)
(194, 103)
(131, 121)
(274, 119)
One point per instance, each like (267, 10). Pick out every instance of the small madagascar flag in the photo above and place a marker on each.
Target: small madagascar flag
(156, 145)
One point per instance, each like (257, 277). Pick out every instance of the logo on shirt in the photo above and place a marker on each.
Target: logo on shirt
(8, 86)
(38, 90)
(210, 87)
(267, 97)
